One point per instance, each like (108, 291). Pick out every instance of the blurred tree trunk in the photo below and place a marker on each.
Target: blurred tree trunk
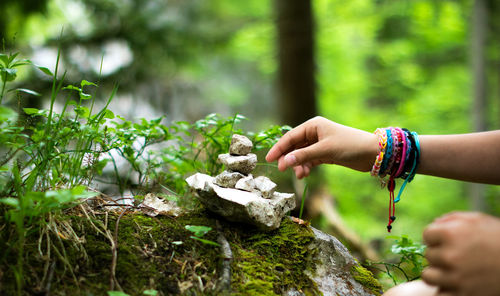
(296, 83)
(297, 103)
(478, 61)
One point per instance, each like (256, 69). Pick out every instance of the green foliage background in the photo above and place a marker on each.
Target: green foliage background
(379, 63)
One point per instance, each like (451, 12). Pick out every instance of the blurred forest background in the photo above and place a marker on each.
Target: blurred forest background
(430, 66)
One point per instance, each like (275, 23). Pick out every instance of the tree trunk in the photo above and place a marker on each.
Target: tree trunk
(296, 84)
(478, 43)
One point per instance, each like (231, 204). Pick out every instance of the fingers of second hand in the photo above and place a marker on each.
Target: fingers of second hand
(433, 235)
(432, 276)
(443, 278)
(436, 257)
(446, 293)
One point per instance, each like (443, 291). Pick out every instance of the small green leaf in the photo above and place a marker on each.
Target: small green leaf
(8, 74)
(85, 83)
(169, 197)
(12, 57)
(85, 96)
(82, 111)
(198, 230)
(150, 292)
(72, 87)
(205, 241)
(117, 293)
(25, 90)
(10, 201)
(21, 63)
(109, 114)
(99, 166)
(5, 59)
(7, 114)
(31, 111)
(45, 70)
(177, 243)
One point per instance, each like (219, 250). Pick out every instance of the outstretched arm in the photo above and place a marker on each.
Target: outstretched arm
(468, 157)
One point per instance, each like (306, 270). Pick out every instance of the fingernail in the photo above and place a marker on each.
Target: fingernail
(290, 160)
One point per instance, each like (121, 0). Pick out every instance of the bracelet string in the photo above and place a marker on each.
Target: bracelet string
(398, 157)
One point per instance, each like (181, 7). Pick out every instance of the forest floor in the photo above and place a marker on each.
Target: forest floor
(88, 251)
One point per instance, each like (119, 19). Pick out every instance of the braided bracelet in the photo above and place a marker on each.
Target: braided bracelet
(399, 157)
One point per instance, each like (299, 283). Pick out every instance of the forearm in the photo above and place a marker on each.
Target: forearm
(467, 157)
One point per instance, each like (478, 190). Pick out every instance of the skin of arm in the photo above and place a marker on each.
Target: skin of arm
(467, 157)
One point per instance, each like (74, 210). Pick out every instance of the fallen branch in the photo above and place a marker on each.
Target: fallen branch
(114, 252)
(227, 258)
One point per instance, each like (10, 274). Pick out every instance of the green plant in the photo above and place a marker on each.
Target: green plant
(24, 211)
(408, 265)
(171, 164)
(49, 158)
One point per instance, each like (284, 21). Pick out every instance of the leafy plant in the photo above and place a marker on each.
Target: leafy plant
(48, 159)
(410, 260)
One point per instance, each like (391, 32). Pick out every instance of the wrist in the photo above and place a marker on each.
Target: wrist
(369, 149)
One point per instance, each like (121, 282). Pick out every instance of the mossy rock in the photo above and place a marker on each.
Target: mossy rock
(159, 254)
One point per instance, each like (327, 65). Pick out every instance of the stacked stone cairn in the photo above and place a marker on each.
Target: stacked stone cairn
(237, 195)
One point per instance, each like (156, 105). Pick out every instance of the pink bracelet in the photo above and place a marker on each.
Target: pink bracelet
(403, 155)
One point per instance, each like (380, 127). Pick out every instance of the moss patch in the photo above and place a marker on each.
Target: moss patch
(366, 278)
(150, 256)
(273, 263)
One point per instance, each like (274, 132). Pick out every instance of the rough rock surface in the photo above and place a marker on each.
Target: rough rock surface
(242, 163)
(247, 183)
(242, 206)
(333, 269)
(333, 273)
(152, 205)
(240, 145)
(228, 179)
(266, 186)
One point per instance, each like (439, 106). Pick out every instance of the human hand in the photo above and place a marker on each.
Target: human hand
(319, 141)
(463, 250)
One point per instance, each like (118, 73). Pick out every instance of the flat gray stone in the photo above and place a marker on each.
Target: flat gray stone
(152, 205)
(228, 179)
(247, 183)
(242, 206)
(265, 185)
(240, 145)
(242, 163)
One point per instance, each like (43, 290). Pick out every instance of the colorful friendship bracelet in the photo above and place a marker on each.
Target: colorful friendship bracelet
(399, 157)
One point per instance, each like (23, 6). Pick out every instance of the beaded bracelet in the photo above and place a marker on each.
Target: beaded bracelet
(382, 144)
(399, 157)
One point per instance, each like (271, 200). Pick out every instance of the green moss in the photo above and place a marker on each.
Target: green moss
(264, 263)
(366, 278)
(278, 259)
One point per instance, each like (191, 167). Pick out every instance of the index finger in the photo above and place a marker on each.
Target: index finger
(288, 142)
